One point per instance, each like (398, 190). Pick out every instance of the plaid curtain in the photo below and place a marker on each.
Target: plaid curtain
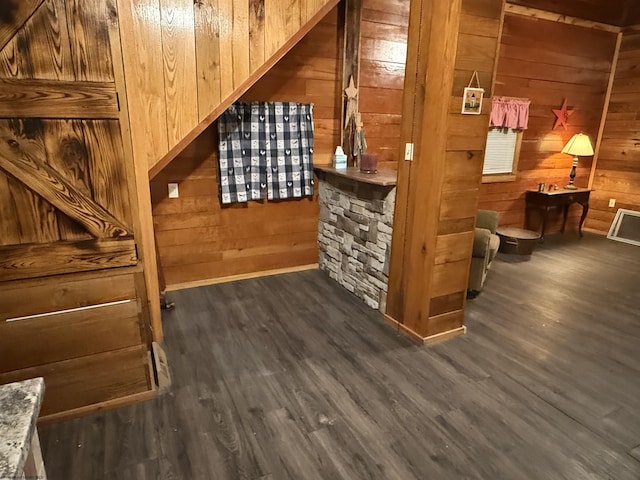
(266, 151)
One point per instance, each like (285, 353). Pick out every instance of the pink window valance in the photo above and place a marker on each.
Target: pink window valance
(510, 112)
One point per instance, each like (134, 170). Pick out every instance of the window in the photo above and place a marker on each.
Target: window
(501, 155)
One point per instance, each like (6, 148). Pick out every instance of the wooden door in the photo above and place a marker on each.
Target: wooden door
(67, 203)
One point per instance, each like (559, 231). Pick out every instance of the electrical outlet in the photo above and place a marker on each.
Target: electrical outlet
(408, 151)
(612, 202)
(173, 190)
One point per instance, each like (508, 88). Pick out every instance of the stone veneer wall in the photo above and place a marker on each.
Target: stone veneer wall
(354, 236)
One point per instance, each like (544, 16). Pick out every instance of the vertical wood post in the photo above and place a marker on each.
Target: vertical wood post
(435, 212)
(350, 62)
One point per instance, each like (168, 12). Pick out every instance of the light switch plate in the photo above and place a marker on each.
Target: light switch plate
(173, 190)
(612, 202)
(408, 151)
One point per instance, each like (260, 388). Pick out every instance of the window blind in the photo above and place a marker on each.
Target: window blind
(500, 151)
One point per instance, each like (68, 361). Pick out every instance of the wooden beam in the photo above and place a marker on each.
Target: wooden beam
(425, 189)
(412, 114)
(57, 99)
(19, 262)
(13, 15)
(241, 89)
(605, 110)
(350, 65)
(23, 159)
(556, 17)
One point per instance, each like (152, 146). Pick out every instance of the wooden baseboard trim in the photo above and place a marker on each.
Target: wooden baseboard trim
(243, 276)
(416, 337)
(97, 407)
(593, 230)
(404, 329)
(441, 337)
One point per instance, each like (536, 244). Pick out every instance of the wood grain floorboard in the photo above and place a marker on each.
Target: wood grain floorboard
(291, 377)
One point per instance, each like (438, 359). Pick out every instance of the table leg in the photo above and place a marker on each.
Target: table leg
(565, 211)
(545, 214)
(585, 210)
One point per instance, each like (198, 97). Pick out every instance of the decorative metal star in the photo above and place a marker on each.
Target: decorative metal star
(562, 114)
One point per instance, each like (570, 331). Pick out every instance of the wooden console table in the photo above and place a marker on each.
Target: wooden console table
(545, 201)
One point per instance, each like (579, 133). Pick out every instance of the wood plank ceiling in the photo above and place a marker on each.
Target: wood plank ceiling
(614, 12)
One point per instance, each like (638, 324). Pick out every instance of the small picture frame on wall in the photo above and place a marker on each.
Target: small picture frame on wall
(472, 101)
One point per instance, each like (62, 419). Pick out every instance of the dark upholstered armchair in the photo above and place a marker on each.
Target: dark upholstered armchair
(485, 247)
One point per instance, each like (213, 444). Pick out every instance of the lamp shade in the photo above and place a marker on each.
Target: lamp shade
(579, 145)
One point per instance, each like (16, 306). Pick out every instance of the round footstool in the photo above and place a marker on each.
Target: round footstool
(517, 240)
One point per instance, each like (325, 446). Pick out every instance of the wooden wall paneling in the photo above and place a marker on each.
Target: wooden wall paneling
(89, 39)
(41, 48)
(452, 302)
(62, 62)
(198, 239)
(190, 246)
(40, 295)
(241, 64)
(66, 153)
(136, 172)
(14, 15)
(9, 227)
(63, 336)
(616, 171)
(140, 30)
(383, 59)
(453, 248)
(293, 22)
(91, 382)
(9, 63)
(231, 93)
(37, 221)
(549, 61)
(107, 166)
(275, 29)
(225, 17)
(249, 265)
(207, 33)
(24, 160)
(57, 99)
(39, 260)
(257, 33)
(463, 170)
(179, 61)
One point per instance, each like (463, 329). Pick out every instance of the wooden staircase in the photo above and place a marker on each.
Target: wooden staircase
(186, 61)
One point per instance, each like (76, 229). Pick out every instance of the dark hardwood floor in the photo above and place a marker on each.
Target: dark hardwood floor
(291, 377)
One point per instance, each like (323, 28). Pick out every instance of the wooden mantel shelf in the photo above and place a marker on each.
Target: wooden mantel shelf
(385, 177)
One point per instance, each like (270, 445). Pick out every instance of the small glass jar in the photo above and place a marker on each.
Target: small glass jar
(368, 163)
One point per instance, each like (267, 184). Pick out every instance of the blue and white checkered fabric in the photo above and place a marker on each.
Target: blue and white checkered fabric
(266, 151)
